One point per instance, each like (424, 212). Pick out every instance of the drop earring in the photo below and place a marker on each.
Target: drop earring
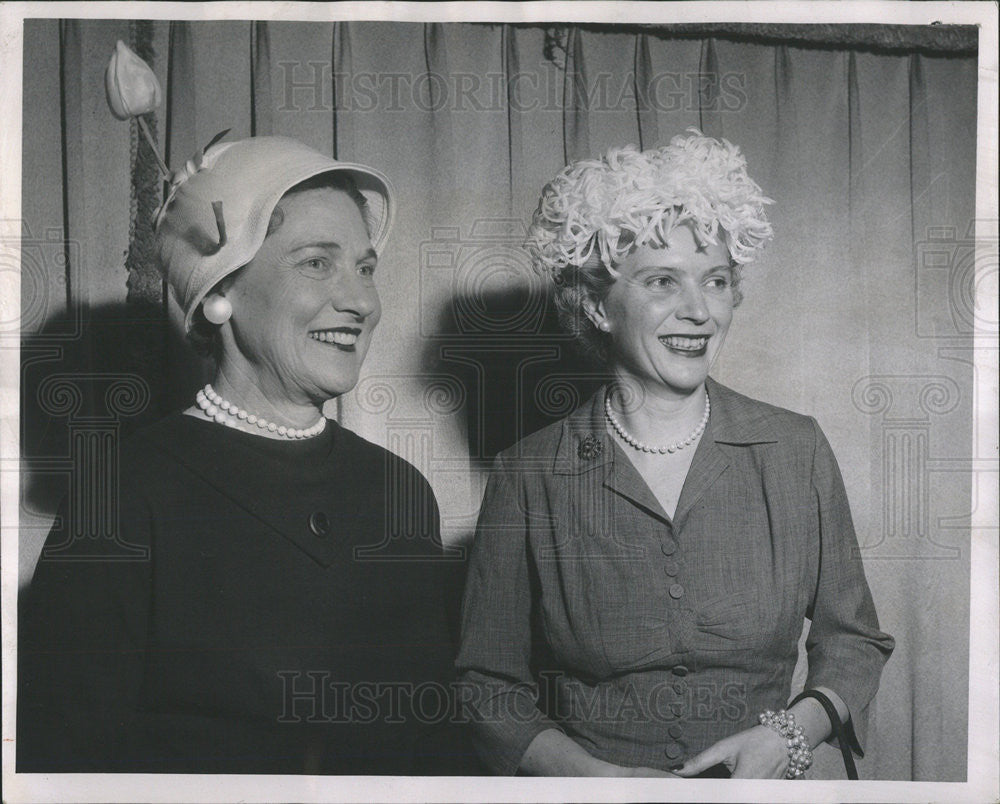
(217, 309)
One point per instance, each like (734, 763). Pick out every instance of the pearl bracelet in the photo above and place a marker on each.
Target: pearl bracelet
(799, 754)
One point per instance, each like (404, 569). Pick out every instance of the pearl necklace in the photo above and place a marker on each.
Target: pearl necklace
(227, 413)
(639, 445)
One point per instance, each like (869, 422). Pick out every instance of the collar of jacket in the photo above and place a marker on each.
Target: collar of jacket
(235, 474)
(586, 446)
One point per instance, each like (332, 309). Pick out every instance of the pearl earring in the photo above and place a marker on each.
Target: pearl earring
(217, 309)
(604, 326)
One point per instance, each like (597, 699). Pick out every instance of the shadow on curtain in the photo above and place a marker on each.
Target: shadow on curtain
(862, 313)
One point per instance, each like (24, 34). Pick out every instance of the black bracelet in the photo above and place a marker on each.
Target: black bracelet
(836, 725)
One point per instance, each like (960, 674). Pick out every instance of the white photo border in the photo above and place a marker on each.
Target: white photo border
(984, 712)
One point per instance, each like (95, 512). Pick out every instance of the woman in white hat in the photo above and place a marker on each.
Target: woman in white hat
(287, 616)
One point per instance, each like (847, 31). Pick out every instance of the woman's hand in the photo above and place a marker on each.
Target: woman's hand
(757, 753)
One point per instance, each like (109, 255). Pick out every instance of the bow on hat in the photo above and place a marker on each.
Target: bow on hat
(200, 161)
(132, 91)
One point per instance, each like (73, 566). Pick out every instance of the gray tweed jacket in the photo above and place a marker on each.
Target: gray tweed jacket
(646, 638)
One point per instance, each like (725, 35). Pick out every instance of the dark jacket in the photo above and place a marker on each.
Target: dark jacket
(286, 616)
(645, 638)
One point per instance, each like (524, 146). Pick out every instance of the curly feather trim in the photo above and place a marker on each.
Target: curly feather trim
(629, 197)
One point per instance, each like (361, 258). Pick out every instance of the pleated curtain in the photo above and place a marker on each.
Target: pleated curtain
(861, 313)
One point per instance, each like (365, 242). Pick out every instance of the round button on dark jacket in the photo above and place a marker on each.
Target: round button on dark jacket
(670, 567)
(319, 524)
(668, 547)
(675, 731)
(673, 750)
(138, 710)
(679, 670)
(676, 590)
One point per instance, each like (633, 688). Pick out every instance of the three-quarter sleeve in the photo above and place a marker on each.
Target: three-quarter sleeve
(846, 649)
(497, 689)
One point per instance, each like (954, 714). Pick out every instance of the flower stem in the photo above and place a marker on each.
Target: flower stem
(152, 144)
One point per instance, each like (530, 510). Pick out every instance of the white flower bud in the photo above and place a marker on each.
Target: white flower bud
(131, 86)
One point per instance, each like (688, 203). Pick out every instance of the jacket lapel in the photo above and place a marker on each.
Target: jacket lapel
(584, 443)
(586, 446)
(612, 469)
(707, 466)
(736, 421)
(624, 479)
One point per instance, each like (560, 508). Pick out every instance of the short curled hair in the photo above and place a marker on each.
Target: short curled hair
(595, 211)
(204, 335)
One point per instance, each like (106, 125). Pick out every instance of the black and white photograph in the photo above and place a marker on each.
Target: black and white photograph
(499, 402)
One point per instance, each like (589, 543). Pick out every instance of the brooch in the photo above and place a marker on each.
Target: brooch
(590, 447)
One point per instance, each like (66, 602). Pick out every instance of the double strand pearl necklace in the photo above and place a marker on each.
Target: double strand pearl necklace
(639, 445)
(227, 413)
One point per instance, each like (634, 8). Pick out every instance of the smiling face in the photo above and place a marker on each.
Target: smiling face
(668, 313)
(304, 308)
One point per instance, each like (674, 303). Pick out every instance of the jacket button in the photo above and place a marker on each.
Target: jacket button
(680, 687)
(670, 568)
(673, 750)
(680, 670)
(675, 731)
(668, 547)
(676, 591)
(319, 524)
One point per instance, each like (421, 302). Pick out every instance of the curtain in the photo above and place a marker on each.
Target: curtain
(861, 313)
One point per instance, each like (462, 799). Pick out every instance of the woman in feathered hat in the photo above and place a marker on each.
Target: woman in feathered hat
(642, 570)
